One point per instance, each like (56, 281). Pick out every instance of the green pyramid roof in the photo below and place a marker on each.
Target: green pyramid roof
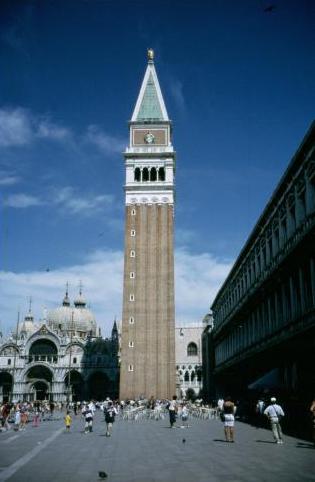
(150, 108)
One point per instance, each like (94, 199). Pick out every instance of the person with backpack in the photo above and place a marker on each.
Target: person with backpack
(274, 413)
(110, 412)
(88, 416)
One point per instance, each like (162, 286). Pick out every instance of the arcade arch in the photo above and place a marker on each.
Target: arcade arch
(99, 386)
(75, 379)
(39, 378)
(43, 350)
(6, 383)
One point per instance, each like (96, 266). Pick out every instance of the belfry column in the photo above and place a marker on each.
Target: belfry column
(148, 320)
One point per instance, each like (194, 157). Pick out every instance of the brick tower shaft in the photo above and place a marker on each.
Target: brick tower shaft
(148, 321)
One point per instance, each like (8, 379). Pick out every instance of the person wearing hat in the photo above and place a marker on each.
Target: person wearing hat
(274, 413)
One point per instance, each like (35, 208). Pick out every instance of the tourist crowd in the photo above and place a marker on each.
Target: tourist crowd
(18, 415)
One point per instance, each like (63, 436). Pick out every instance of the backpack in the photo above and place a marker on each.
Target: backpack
(109, 415)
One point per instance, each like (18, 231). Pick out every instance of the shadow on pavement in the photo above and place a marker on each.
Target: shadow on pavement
(301, 445)
(265, 442)
(219, 440)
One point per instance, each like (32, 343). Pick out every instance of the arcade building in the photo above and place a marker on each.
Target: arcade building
(61, 358)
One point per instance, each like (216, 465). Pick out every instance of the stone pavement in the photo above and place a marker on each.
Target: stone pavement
(150, 451)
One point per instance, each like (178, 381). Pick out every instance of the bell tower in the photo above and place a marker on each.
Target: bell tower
(148, 320)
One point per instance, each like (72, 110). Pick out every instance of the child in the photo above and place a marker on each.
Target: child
(68, 421)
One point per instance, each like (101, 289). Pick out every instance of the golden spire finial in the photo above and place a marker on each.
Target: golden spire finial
(150, 55)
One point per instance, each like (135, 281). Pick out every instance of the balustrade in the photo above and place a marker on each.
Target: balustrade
(44, 358)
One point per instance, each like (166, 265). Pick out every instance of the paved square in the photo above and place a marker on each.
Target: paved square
(150, 451)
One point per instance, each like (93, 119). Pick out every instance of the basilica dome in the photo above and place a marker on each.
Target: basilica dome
(28, 326)
(77, 318)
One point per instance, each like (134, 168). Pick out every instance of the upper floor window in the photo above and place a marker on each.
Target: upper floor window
(132, 254)
(9, 361)
(145, 174)
(192, 349)
(137, 174)
(161, 174)
(133, 232)
(153, 174)
(133, 212)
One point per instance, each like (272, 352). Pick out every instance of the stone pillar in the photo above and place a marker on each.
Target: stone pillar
(284, 305)
(269, 316)
(309, 196)
(276, 317)
(299, 207)
(302, 290)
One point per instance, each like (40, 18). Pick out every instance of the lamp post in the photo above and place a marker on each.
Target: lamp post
(70, 356)
(15, 352)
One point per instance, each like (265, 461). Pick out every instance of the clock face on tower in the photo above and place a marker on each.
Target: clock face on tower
(149, 138)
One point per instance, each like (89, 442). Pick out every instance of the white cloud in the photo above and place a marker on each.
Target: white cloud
(73, 204)
(22, 201)
(48, 130)
(105, 142)
(16, 127)
(65, 200)
(8, 179)
(20, 127)
(198, 278)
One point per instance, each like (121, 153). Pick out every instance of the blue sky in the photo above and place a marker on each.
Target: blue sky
(239, 86)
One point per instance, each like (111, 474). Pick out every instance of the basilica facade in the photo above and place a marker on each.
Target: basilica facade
(60, 358)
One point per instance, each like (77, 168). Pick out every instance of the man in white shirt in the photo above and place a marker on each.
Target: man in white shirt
(274, 413)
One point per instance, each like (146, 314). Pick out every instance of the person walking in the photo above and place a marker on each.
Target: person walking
(260, 406)
(184, 416)
(88, 415)
(172, 408)
(229, 410)
(274, 413)
(36, 414)
(24, 417)
(110, 412)
(68, 421)
(17, 419)
(5, 412)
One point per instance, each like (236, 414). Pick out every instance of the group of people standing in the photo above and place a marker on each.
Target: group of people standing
(273, 411)
(21, 413)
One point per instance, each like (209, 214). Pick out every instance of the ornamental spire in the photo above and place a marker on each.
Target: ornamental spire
(150, 106)
(66, 301)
